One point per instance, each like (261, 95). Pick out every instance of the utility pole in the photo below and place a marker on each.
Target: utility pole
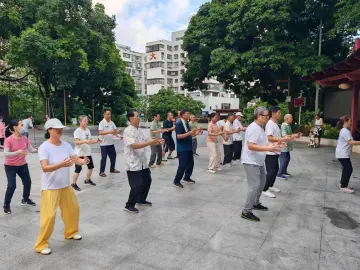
(300, 109)
(64, 107)
(319, 53)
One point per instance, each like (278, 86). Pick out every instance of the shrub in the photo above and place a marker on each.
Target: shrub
(120, 121)
(330, 132)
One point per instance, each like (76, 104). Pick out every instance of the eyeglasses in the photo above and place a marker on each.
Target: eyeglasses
(265, 115)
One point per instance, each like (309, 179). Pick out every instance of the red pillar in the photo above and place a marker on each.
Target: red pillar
(355, 106)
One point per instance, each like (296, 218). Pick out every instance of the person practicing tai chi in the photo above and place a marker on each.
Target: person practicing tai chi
(238, 137)
(184, 136)
(193, 125)
(167, 135)
(107, 131)
(83, 142)
(228, 140)
(156, 150)
(343, 153)
(16, 148)
(56, 158)
(212, 142)
(253, 160)
(135, 153)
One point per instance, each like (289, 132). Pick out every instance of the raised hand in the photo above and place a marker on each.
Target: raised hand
(67, 162)
(21, 153)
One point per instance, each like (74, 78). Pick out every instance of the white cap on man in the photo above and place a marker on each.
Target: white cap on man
(53, 123)
(239, 114)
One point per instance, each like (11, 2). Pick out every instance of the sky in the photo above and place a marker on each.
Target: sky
(141, 21)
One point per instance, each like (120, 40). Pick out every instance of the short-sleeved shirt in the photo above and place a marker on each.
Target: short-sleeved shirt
(220, 123)
(193, 126)
(240, 135)
(343, 148)
(82, 135)
(2, 130)
(319, 122)
(272, 129)
(107, 126)
(186, 143)
(213, 128)
(154, 126)
(285, 131)
(228, 127)
(167, 125)
(27, 123)
(14, 144)
(55, 154)
(254, 134)
(135, 159)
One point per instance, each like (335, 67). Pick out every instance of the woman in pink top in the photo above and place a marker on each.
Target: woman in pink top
(16, 147)
(2, 133)
(212, 142)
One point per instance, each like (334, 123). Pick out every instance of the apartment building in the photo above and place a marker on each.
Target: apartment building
(135, 67)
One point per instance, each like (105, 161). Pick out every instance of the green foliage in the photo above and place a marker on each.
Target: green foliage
(120, 120)
(261, 41)
(249, 112)
(330, 132)
(167, 101)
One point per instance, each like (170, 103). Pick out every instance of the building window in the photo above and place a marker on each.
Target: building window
(183, 63)
(214, 94)
(169, 56)
(225, 106)
(169, 81)
(176, 80)
(162, 71)
(182, 55)
(155, 81)
(176, 56)
(179, 38)
(155, 48)
(169, 64)
(173, 73)
(169, 48)
(232, 96)
(128, 70)
(154, 65)
(176, 48)
(145, 73)
(182, 71)
(176, 64)
(126, 55)
(182, 88)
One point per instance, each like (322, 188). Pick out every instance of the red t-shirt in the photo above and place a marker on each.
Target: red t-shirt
(15, 144)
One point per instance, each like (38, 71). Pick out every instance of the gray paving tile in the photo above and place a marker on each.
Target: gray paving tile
(303, 209)
(299, 221)
(338, 262)
(346, 246)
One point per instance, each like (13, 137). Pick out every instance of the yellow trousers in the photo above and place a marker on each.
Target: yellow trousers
(50, 199)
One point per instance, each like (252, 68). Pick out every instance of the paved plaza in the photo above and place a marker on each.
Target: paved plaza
(310, 225)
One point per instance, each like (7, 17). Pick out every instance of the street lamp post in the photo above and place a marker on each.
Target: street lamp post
(319, 53)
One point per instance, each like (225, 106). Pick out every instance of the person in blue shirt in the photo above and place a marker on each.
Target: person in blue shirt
(184, 136)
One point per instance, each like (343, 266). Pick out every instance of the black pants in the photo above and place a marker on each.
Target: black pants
(346, 172)
(186, 165)
(228, 153)
(237, 150)
(23, 173)
(140, 182)
(272, 168)
(107, 150)
(169, 143)
(156, 150)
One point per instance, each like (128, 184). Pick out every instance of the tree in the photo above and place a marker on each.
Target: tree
(167, 101)
(261, 41)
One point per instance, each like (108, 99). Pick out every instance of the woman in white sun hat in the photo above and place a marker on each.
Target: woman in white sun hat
(56, 158)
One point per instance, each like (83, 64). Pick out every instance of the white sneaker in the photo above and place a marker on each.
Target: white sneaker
(46, 251)
(77, 237)
(276, 190)
(268, 194)
(347, 190)
(219, 169)
(211, 171)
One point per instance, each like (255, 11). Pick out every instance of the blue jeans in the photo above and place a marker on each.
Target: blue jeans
(186, 165)
(23, 173)
(284, 162)
(107, 150)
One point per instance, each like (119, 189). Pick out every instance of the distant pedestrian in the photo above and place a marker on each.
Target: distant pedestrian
(107, 131)
(319, 124)
(253, 160)
(167, 135)
(135, 153)
(343, 152)
(16, 148)
(56, 158)
(83, 142)
(238, 137)
(27, 124)
(156, 150)
(184, 149)
(285, 152)
(212, 142)
(228, 140)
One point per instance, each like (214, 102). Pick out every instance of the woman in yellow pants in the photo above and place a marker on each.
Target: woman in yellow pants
(56, 158)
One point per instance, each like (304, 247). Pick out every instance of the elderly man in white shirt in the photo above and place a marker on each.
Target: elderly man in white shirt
(238, 137)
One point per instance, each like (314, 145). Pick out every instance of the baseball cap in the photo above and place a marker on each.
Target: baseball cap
(239, 114)
(53, 123)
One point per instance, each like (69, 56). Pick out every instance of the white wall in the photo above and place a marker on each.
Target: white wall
(213, 103)
(153, 89)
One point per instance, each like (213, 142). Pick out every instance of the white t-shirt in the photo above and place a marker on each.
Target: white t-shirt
(135, 159)
(107, 126)
(272, 129)
(319, 122)
(343, 148)
(82, 135)
(55, 154)
(254, 134)
(240, 135)
(27, 123)
(220, 123)
(229, 128)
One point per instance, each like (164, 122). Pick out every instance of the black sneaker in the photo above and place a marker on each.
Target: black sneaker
(170, 157)
(28, 202)
(190, 181)
(287, 174)
(250, 216)
(76, 187)
(131, 209)
(7, 209)
(115, 171)
(145, 203)
(178, 185)
(260, 207)
(89, 182)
